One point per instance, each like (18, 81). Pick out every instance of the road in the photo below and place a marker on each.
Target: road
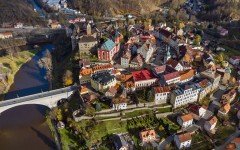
(164, 143)
(39, 95)
(233, 136)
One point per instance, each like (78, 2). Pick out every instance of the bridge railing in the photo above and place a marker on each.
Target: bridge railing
(39, 95)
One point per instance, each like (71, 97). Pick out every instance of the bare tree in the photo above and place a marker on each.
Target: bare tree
(46, 63)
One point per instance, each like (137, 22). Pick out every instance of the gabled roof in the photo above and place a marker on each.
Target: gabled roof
(142, 75)
(183, 137)
(108, 45)
(162, 89)
(163, 68)
(204, 83)
(146, 133)
(187, 117)
(212, 120)
(186, 74)
(170, 76)
(138, 59)
(172, 62)
(165, 33)
(225, 108)
(196, 108)
(102, 67)
(119, 100)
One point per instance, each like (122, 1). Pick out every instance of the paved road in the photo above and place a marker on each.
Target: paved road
(163, 144)
(233, 136)
(39, 95)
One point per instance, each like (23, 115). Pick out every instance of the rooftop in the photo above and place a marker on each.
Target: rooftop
(87, 38)
(142, 75)
(172, 62)
(108, 45)
(162, 89)
(212, 120)
(170, 76)
(103, 78)
(183, 137)
(187, 117)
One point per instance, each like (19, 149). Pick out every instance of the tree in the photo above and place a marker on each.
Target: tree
(197, 40)
(89, 111)
(98, 107)
(46, 63)
(220, 58)
(150, 97)
(181, 25)
(68, 78)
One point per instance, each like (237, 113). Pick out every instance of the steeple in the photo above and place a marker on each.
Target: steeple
(167, 55)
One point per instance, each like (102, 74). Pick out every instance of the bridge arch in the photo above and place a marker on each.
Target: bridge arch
(49, 99)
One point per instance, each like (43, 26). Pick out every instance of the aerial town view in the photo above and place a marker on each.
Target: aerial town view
(119, 75)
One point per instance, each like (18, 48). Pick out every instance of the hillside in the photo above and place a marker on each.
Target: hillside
(221, 10)
(113, 7)
(18, 10)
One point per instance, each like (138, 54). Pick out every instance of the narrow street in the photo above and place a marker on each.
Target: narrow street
(163, 144)
(230, 138)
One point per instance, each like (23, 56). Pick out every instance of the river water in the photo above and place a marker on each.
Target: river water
(24, 127)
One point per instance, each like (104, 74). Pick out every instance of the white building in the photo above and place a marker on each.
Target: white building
(183, 96)
(235, 60)
(102, 81)
(146, 51)
(185, 120)
(171, 78)
(210, 124)
(143, 79)
(212, 77)
(174, 64)
(206, 87)
(183, 140)
(119, 103)
(125, 59)
(161, 94)
(197, 111)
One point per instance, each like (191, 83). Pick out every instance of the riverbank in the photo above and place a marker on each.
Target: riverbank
(11, 65)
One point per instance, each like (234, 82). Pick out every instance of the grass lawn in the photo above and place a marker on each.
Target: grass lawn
(230, 51)
(200, 142)
(163, 110)
(67, 139)
(223, 133)
(103, 129)
(137, 113)
(13, 64)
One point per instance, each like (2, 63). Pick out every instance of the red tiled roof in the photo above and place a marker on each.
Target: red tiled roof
(184, 137)
(162, 89)
(172, 62)
(187, 117)
(142, 75)
(186, 74)
(171, 76)
(102, 67)
(204, 83)
(212, 120)
(160, 69)
(145, 133)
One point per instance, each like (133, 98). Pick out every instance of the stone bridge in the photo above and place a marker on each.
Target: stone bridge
(49, 98)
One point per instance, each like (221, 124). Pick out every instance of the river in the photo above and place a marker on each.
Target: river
(24, 127)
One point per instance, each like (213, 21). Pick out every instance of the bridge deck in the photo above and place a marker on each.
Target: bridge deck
(37, 96)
